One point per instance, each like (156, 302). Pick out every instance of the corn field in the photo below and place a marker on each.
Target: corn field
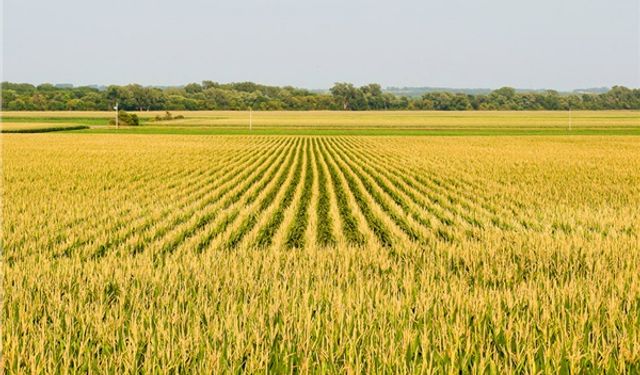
(329, 254)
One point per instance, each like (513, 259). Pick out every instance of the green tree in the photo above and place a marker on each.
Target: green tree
(344, 94)
(193, 88)
(125, 118)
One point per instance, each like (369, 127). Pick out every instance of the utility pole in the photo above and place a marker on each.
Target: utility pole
(116, 108)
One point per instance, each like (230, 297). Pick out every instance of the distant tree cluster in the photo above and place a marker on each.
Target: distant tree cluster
(507, 98)
(210, 95)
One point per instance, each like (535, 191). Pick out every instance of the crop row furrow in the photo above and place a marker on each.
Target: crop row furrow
(265, 234)
(399, 219)
(188, 212)
(409, 189)
(147, 189)
(147, 220)
(439, 206)
(324, 232)
(87, 219)
(379, 229)
(212, 207)
(489, 195)
(154, 193)
(470, 211)
(388, 186)
(234, 213)
(184, 198)
(295, 237)
(249, 222)
(86, 226)
(352, 233)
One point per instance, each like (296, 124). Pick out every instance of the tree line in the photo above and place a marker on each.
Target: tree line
(210, 95)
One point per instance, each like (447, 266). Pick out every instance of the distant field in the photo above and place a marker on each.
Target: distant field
(126, 253)
(358, 123)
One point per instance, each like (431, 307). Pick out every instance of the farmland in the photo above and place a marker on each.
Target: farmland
(410, 123)
(331, 242)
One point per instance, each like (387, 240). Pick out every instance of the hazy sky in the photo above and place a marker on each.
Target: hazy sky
(562, 44)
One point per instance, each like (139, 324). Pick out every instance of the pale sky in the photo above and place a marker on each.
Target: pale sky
(560, 44)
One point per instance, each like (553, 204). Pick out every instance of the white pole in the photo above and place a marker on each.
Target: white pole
(250, 118)
(116, 108)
